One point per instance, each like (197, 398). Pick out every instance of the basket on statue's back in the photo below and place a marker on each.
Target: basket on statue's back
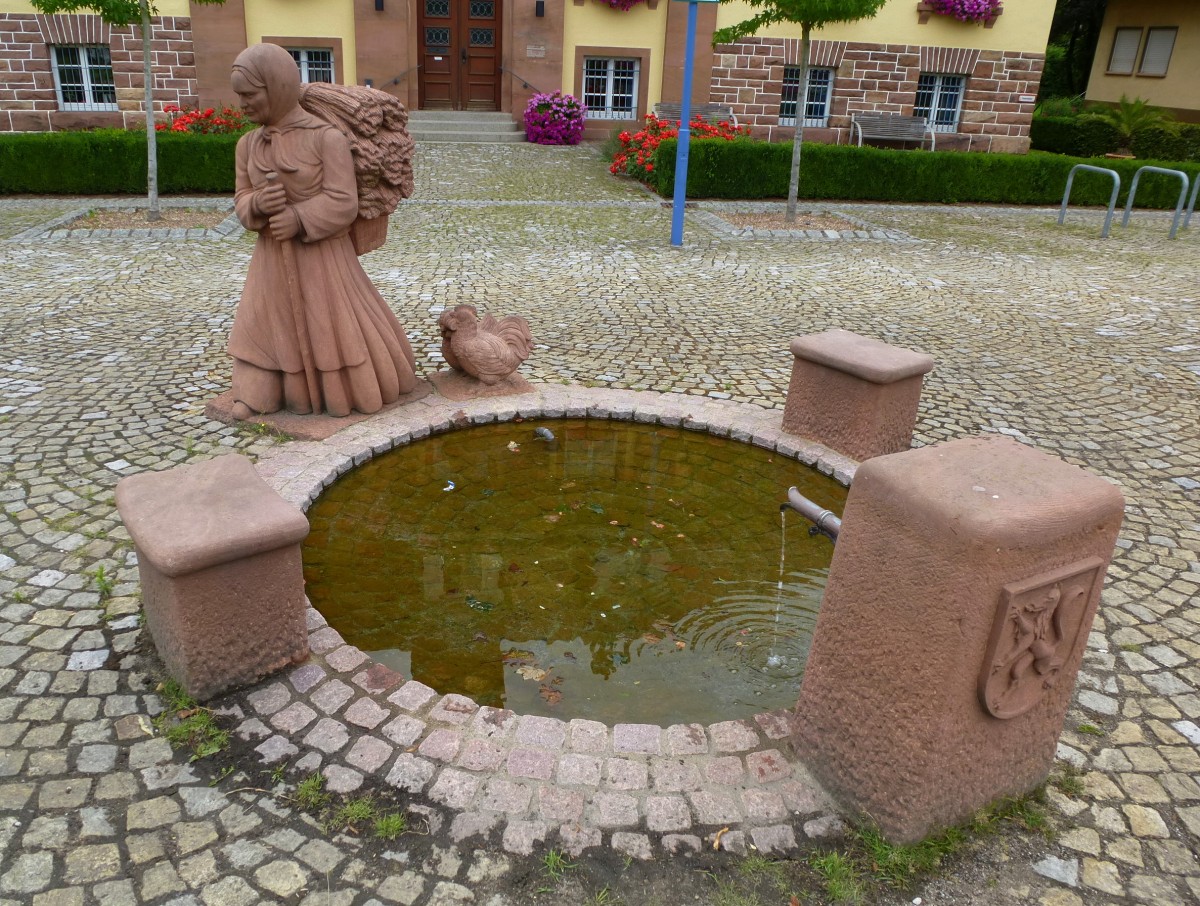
(376, 125)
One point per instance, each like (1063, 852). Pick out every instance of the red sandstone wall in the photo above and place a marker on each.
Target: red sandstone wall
(27, 99)
(882, 78)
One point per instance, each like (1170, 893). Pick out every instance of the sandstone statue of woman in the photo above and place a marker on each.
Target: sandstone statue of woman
(311, 332)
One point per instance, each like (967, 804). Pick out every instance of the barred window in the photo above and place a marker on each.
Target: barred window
(83, 77)
(315, 65)
(610, 87)
(816, 110)
(939, 99)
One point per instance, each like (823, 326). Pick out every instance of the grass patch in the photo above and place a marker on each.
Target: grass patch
(1068, 780)
(840, 877)
(389, 827)
(187, 725)
(352, 813)
(556, 864)
(104, 585)
(262, 429)
(1089, 730)
(310, 793)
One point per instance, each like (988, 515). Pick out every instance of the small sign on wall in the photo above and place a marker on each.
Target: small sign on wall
(535, 51)
(1028, 98)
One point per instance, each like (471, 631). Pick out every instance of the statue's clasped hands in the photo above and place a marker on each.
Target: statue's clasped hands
(272, 201)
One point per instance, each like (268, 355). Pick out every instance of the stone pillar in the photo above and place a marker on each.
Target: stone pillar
(959, 601)
(222, 583)
(854, 394)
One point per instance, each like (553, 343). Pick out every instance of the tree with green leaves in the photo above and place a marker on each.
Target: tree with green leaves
(124, 13)
(809, 14)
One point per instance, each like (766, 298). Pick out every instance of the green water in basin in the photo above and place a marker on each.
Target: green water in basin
(621, 572)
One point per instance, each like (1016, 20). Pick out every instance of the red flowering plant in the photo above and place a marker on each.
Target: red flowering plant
(204, 122)
(636, 155)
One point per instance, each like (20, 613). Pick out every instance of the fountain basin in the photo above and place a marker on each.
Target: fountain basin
(606, 570)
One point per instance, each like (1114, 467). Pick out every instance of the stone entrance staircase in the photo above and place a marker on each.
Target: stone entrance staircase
(463, 126)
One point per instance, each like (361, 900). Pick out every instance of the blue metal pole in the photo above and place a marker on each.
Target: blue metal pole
(685, 133)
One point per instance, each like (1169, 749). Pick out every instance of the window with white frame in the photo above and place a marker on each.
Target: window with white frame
(316, 65)
(1160, 43)
(83, 77)
(816, 110)
(610, 87)
(939, 99)
(1124, 51)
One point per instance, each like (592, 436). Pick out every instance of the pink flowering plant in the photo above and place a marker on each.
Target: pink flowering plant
(968, 10)
(623, 5)
(554, 119)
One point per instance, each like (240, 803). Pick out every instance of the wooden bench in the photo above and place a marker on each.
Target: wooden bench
(892, 127)
(713, 113)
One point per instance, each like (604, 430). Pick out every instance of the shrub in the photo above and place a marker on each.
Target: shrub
(1131, 117)
(205, 122)
(554, 119)
(113, 161)
(1175, 141)
(1078, 136)
(751, 169)
(635, 156)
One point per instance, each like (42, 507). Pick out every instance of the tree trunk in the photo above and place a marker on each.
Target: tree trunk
(152, 212)
(798, 141)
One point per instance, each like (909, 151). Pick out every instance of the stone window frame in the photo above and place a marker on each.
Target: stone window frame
(640, 54)
(88, 86)
(300, 42)
(826, 101)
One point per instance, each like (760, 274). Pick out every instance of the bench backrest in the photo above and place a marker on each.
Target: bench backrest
(714, 113)
(885, 124)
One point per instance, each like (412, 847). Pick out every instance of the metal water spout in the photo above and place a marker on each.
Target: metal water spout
(823, 521)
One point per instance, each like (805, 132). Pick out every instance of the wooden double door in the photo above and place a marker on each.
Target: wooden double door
(460, 54)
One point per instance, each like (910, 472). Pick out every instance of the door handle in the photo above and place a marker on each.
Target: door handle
(464, 55)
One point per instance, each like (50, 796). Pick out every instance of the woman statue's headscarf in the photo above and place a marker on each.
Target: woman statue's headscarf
(270, 66)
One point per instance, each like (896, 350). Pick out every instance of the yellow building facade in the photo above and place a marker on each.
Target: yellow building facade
(1149, 49)
(975, 82)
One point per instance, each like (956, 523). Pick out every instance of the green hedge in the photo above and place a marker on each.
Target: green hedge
(1172, 141)
(1076, 136)
(113, 162)
(752, 169)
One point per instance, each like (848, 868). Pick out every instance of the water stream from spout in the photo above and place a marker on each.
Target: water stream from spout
(773, 659)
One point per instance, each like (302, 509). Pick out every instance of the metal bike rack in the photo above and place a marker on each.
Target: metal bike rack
(1183, 178)
(1187, 220)
(1112, 201)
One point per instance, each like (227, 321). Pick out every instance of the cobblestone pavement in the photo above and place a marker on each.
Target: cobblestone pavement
(111, 346)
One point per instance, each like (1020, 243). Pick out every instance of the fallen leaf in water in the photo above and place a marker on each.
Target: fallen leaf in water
(551, 696)
(552, 517)
(513, 446)
(596, 508)
(482, 606)
(680, 645)
(479, 637)
(569, 484)
(680, 535)
(651, 638)
(569, 655)
(656, 524)
(513, 568)
(530, 672)
(634, 542)
(517, 656)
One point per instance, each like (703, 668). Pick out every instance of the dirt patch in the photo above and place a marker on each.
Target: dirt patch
(777, 220)
(135, 219)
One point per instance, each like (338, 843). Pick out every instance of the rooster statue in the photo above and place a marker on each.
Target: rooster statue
(487, 349)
